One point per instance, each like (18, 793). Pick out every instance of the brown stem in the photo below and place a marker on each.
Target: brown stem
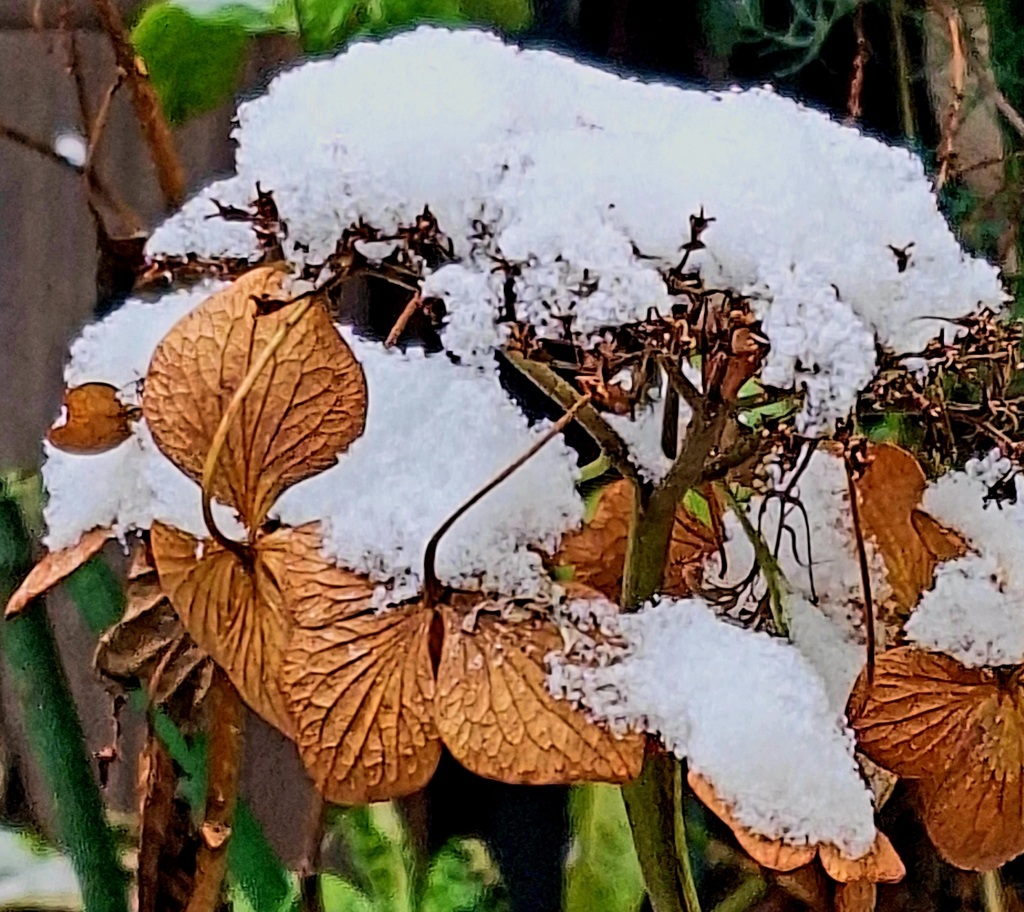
(431, 584)
(958, 75)
(650, 799)
(854, 107)
(309, 880)
(403, 319)
(169, 173)
(865, 576)
(99, 125)
(224, 759)
(157, 784)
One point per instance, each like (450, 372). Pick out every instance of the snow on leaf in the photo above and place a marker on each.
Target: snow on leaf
(54, 567)
(498, 719)
(597, 552)
(435, 434)
(94, 420)
(879, 864)
(233, 609)
(745, 710)
(973, 612)
(305, 407)
(911, 543)
(960, 732)
(769, 853)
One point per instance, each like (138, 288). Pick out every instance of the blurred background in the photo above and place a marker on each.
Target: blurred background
(941, 77)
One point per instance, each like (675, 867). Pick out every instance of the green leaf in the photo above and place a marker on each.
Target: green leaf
(698, 506)
(194, 63)
(379, 854)
(602, 871)
(324, 24)
(338, 895)
(461, 878)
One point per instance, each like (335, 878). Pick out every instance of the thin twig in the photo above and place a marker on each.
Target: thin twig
(958, 76)
(99, 125)
(431, 584)
(854, 107)
(403, 319)
(865, 575)
(169, 172)
(74, 64)
(681, 383)
(986, 81)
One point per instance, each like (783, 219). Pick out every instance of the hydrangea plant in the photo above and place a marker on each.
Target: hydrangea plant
(317, 425)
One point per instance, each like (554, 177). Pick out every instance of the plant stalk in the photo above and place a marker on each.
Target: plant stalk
(650, 798)
(224, 760)
(55, 732)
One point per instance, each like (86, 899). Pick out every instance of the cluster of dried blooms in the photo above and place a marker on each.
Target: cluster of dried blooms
(296, 443)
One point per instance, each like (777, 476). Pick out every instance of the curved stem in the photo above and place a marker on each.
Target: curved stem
(865, 574)
(224, 756)
(228, 418)
(431, 584)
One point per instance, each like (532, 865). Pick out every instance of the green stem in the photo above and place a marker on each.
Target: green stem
(55, 732)
(650, 798)
(682, 849)
(773, 576)
(649, 806)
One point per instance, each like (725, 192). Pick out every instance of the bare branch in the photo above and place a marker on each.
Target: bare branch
(169, 172)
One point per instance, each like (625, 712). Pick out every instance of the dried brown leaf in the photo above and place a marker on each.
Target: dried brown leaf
(359, 683)
(54, 567)
(597, 552)
(960, 732)
(306, 406)
(232, 609)
(164, 878)
(889, 494)
(496, 716)
(880, 865)
(769, 853)
(95, 420)
(149, 647)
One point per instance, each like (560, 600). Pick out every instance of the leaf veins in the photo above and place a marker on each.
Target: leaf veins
(960, 733)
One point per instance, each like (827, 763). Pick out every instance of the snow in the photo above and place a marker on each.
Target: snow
(117, 349)
(819, 556)
(72, 147)
(746, 710)
(975, 611)
(127, 487)
(564, 169)
(435, 434)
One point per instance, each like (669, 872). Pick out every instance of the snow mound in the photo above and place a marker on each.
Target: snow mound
(746, 710)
